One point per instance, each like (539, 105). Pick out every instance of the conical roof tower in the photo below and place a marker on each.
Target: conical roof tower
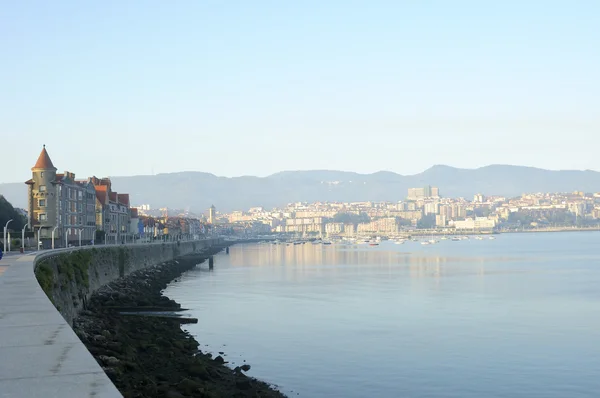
(44, 162)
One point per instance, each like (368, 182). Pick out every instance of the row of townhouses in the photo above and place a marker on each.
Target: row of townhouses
(63, 210)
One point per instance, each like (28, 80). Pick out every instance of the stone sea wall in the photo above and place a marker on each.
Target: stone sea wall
(70, 277)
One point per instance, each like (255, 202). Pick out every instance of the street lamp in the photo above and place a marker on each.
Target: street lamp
(23, 237)
(80, 230)
(39, 242)
(54, 230)
(5, 230)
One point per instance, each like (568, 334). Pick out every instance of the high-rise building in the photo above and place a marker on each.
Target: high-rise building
(422, 193)
(479, 198)
(212, 214)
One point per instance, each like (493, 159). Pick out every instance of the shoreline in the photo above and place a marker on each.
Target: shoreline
(146, 355)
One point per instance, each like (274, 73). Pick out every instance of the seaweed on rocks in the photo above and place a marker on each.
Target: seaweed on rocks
(148, 356)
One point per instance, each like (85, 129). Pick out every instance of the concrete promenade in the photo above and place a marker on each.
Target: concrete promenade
(40, 355)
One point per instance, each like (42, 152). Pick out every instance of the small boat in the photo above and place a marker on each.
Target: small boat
(478, 238)
(491, 238)
(326, 242)
(456, 239)
(425, 242)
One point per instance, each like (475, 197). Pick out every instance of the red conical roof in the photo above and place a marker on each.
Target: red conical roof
(44, 161)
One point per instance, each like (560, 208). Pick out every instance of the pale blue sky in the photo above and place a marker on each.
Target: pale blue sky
(255, 87)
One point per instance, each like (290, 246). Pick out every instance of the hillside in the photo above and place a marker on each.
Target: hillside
(198, 190)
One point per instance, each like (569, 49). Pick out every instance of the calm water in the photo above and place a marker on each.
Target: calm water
(518, 316)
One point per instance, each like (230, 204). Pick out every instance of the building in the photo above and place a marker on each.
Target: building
(431, 208)
(440, 221)
(113, 214)
(477, 223)
(212, 214)
(136, 227)
(59, 207)
(479, 198)
(422, 193)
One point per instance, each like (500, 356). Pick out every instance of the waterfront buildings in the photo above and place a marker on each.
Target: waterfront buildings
(60, 208)
(113, 215)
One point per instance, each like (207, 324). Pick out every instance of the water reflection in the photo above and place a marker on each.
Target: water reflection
(394, 258)
(515, 317)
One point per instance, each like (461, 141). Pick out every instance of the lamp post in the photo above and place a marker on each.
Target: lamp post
(54, 230)
(39, 242)
(66, 237)
(23, 237)
(80, 230)
(5, 230)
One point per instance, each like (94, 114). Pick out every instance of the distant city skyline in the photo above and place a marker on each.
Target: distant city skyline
(254, 88)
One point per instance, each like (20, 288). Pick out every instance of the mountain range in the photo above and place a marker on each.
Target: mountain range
(197, 190)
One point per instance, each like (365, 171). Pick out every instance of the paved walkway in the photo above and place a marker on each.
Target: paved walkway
(40, 355)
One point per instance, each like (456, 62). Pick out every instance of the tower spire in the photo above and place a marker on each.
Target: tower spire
(44, 162)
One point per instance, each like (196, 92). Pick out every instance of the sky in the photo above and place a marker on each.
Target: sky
(235, 88)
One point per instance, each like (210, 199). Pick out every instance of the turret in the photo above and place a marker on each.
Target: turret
(42, 192)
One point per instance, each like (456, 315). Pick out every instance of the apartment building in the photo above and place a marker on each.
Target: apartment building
(60, 208)
(112, 209)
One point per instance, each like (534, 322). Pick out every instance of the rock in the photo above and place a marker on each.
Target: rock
(221, 352)
(199, 371)
(99, 337)
(189, 385)
(109, 361)
(174, 394)
(219, 359)
(245, 367)
(244, 384)
(106, 334)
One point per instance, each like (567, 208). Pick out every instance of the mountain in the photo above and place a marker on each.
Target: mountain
(198, 190)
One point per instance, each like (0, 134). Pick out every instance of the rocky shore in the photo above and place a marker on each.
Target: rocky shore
(151, 356)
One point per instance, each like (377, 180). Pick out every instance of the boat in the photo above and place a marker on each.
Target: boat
(479, 238)
(373, 244)
(425, 242)
(325, 242)
(456, 239)
(491, 238)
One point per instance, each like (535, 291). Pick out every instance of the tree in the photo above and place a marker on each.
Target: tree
(351, 218)
(427, 221)
(8, 212)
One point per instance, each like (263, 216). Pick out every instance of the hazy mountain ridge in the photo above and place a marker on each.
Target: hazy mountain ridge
(199, 190)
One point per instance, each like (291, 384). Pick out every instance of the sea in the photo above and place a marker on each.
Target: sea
(517, 316)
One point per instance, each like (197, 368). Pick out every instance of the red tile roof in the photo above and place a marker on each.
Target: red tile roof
(44, 161)
(112, 196)
(134, 212)
(101, 196)
(123, 199)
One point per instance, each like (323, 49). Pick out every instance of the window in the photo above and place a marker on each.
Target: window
(80, 195)
(42, 188)
(42, 174)
(42, 202)
(43, 217)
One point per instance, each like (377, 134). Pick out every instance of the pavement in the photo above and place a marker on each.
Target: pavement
(40, 355)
